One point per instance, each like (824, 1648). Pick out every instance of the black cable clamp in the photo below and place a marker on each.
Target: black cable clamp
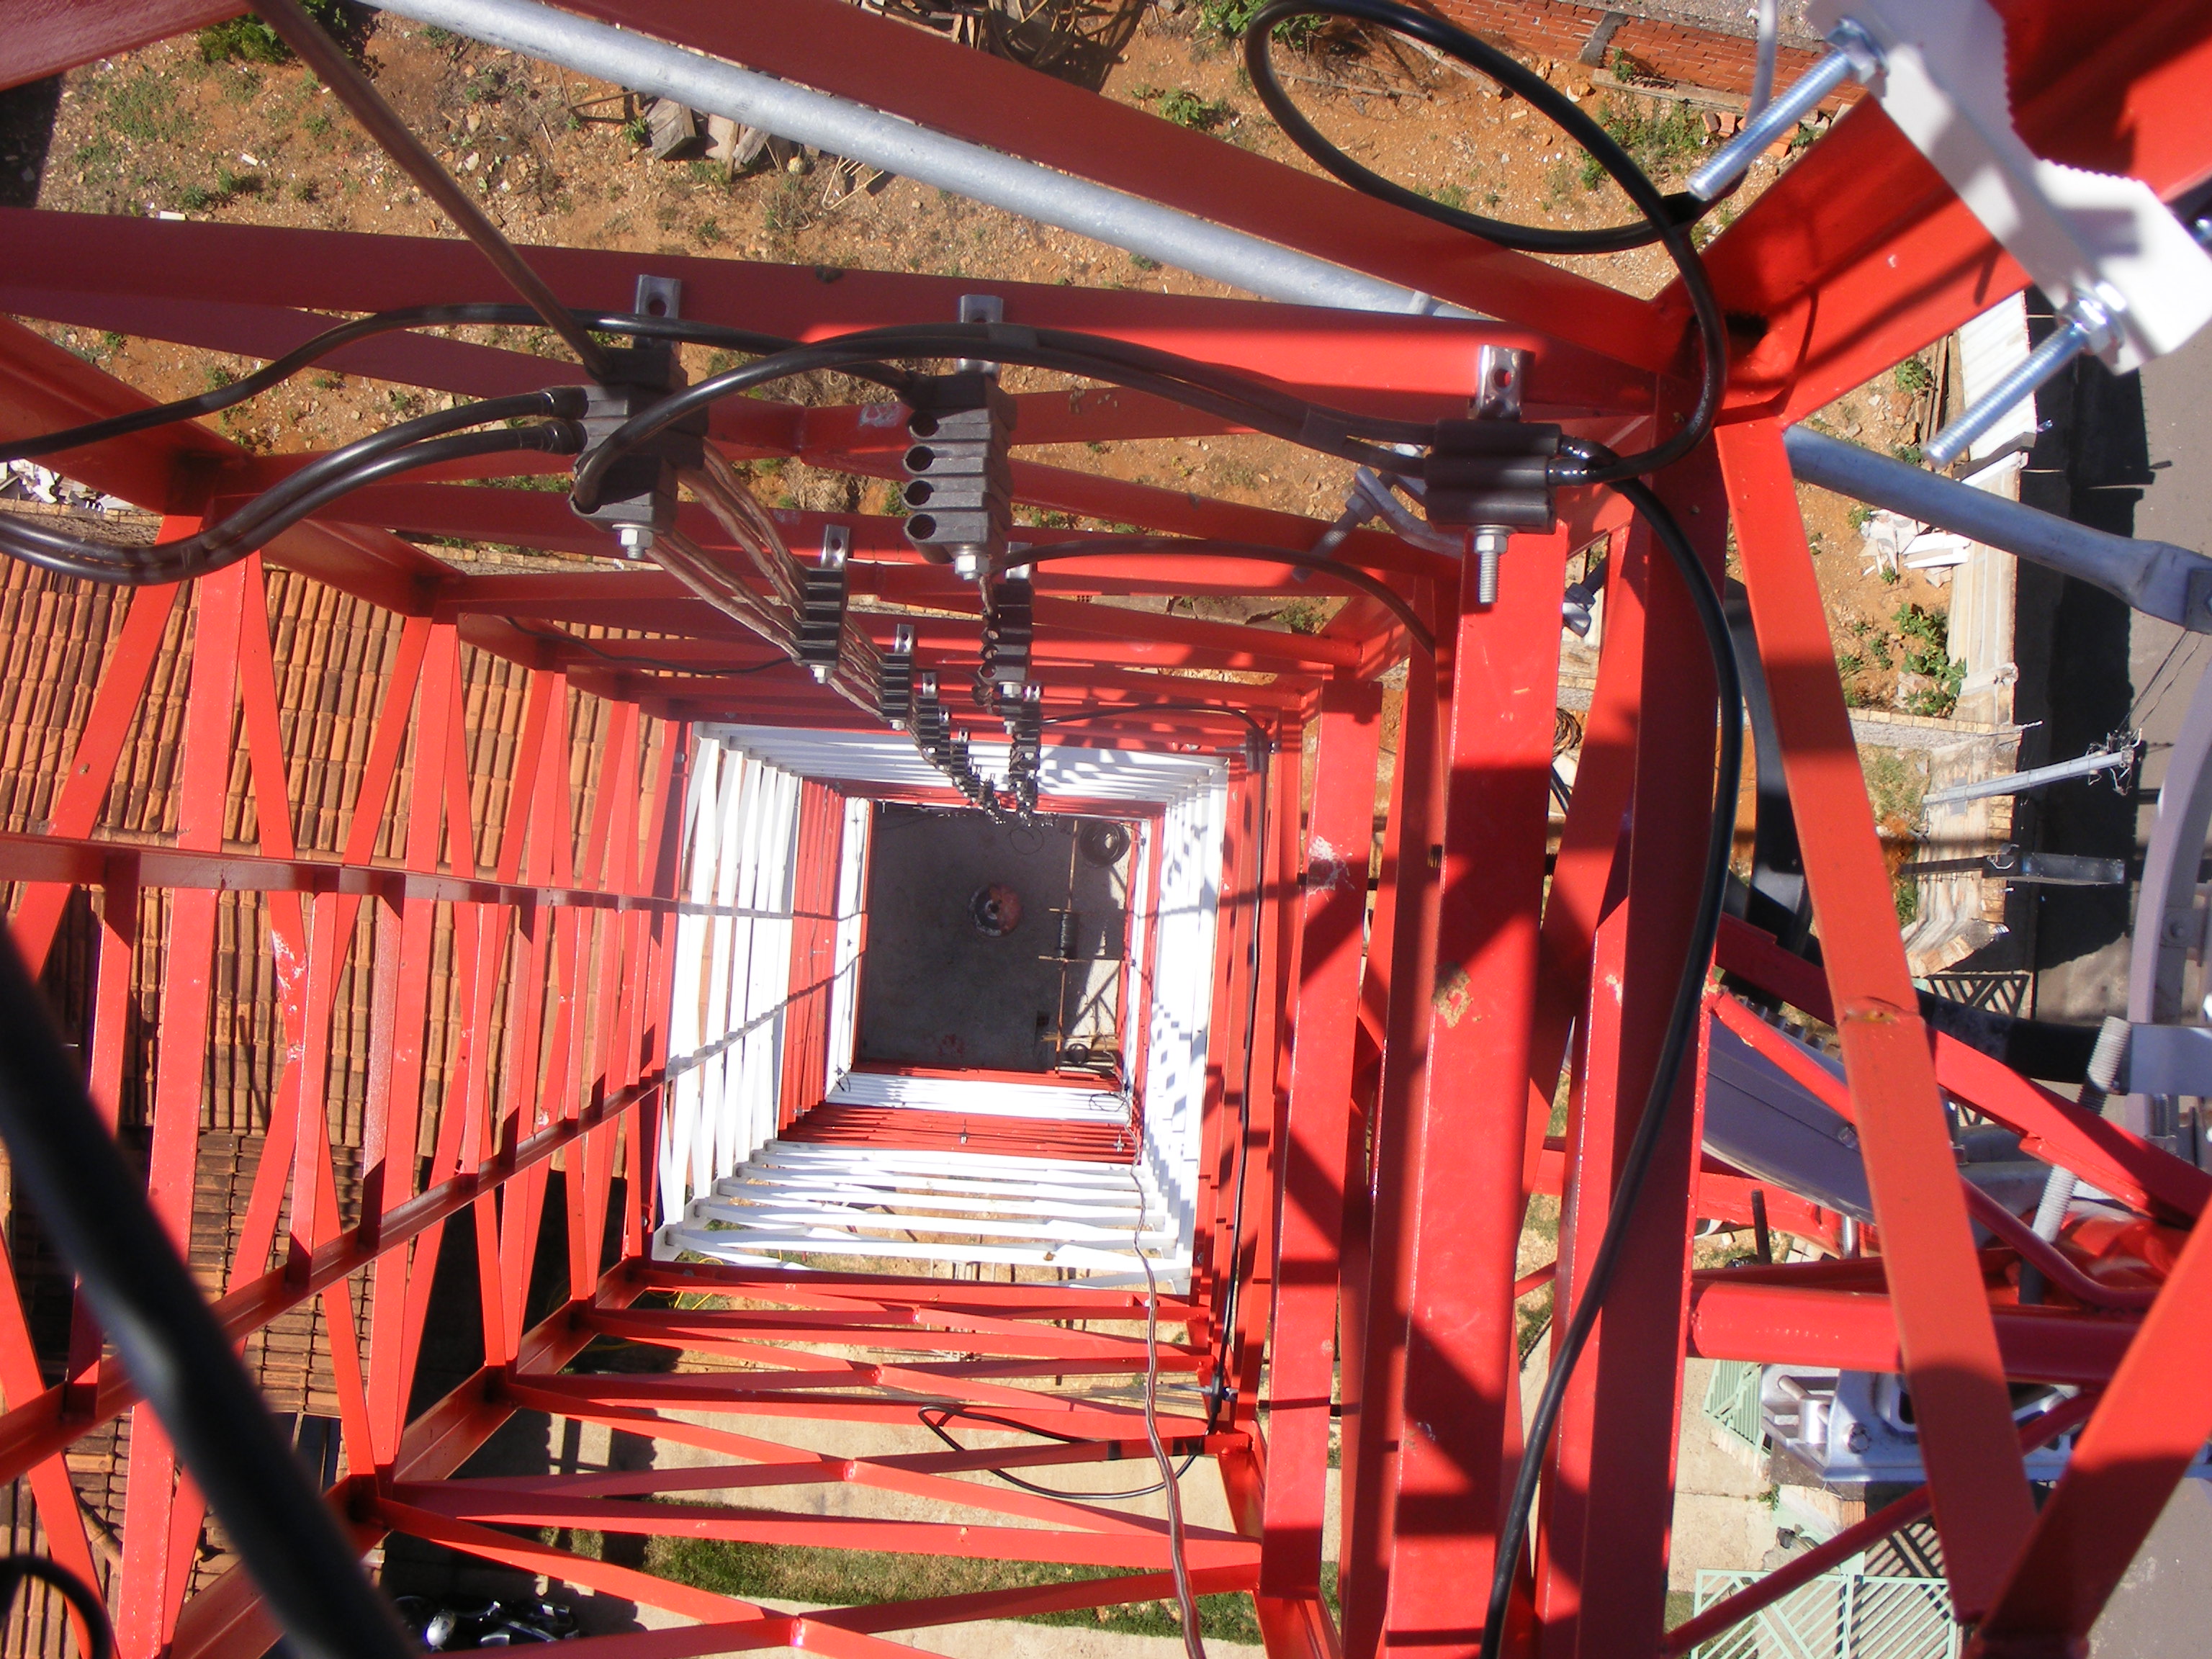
(822, 605)
(1492, 475)
(1481, 473)
(1009, 630)
(895, 680)
(1025, 755)
(960, 478)
(637, 498)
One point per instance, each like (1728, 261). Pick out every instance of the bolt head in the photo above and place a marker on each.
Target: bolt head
(635, 539)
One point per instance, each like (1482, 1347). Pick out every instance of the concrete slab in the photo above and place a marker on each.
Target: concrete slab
(936, 991)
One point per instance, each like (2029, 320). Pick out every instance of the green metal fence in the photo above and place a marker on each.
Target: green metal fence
(1732, 1401)
(1839, 1615)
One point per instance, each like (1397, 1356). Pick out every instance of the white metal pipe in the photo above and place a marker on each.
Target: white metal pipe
(2019, 783)
(870, 135)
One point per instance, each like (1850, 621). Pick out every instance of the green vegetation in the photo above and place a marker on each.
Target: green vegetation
(1655, 141)
(248, 40)
(1144, 262)
(1927, 652)
(1894, 785)
(843, 1579)
(1227, 20)
(1187, 109)
(1913, 375)
(1450, 196)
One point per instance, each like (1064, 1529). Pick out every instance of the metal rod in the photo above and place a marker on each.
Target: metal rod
(2019, 783)
(2044, 869)
(2156, 578)
(2066, 342)
(1852, 54)
(861, 134)
(341, 75)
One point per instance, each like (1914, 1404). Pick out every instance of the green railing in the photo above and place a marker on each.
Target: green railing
(1839, 1615)
(1732, 1401)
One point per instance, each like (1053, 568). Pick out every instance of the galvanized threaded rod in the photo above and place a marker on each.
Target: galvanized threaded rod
(342, 76)
(1852, 54)
(2064, 344)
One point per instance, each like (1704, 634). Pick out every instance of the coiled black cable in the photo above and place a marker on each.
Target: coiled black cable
(1681, 1027)
(1661, 216)
(83, 1599)
(1682, 208)
(424, 441)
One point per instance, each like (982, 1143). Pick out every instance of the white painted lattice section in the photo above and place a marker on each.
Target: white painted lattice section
(851, 927)
(732, 969)
(731, 1193)
(794, 1200)
(886, 758)
(980, 1099)
(1188, 844)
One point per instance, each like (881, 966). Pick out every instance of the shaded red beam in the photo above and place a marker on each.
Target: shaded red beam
(653, 599)
(534, 649)
(1735, 1316)
(716, 700)
(1340, 352)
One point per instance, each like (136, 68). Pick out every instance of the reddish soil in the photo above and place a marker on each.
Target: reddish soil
(163, 130)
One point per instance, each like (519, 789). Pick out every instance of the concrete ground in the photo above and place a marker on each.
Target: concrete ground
(935, 991)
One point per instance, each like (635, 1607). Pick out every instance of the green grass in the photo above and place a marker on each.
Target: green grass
(1912, 375)
(1927, 652)
(1658, 143)
(1227, 20)
(248, 40)
(849, 1578)
(1893, 785)
(1187, 109)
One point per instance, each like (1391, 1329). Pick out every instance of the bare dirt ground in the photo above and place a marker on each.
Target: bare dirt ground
(560, 159)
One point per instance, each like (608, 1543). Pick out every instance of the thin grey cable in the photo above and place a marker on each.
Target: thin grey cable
(1194, 1644)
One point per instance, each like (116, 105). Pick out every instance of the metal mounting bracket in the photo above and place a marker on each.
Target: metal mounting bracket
(2095, 240)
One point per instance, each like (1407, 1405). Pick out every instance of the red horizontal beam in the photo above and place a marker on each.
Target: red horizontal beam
(1340, 352)
(1739, 1318)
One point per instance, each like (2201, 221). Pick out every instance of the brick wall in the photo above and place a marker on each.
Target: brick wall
(1554, 29)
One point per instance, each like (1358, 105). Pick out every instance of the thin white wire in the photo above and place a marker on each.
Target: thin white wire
(1769, 13)
(1193, 1645)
